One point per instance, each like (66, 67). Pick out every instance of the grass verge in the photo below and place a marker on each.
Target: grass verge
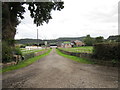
(24, 63)
(78, 59)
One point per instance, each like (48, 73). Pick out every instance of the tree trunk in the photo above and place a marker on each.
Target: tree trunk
(8, 27)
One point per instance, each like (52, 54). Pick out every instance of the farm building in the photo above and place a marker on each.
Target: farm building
(53, 45)
(32, 47)
(78, 43)
(66, 45)
(74, 43)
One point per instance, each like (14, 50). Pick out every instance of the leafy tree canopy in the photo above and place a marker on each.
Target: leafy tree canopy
(88, 40)
(12, 13)
(99, 39)
(39, 11)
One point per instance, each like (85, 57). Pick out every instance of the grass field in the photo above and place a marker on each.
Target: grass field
(78, 59)
(85, 49)
(24, 63)
(31, 51)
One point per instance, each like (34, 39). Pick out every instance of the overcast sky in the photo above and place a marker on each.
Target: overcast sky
(77, 19)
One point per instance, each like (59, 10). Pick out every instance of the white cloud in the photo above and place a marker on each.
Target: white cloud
(78, 18)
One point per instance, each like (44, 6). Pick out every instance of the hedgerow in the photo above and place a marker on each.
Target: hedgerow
(107, 51)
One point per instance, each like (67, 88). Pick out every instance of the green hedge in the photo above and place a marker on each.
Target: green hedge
(7, 55)
(8, 52)
(107, 51)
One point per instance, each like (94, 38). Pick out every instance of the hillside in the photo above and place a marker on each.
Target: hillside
(62, 39)
(70, 38)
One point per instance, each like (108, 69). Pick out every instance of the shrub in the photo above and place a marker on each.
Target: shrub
(17, 51)
(7, 55)
(8, 52)
(22, 46)
(107, 51)
(88, 40)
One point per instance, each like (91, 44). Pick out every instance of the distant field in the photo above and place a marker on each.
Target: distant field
(24, 51)
(85, 49)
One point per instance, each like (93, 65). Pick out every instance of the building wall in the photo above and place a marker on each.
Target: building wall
(80, 44)
(66, 46)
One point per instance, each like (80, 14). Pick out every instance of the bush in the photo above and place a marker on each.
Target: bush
(7, 55)
(22, 46)
(8, 52)
(17, 51)
(88, 40)
(107, 51)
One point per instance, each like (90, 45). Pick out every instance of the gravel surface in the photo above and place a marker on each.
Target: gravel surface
(54, 71)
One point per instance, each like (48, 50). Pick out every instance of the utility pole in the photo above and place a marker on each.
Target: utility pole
(37, 38)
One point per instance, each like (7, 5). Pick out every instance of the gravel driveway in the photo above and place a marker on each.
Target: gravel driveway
(54, 71)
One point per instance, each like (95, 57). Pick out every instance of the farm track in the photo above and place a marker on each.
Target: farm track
(54, 71)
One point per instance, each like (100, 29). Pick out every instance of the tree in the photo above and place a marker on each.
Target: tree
(99, 39)
(12, 14)
(118, 39)
(89, 41)
(115, 38)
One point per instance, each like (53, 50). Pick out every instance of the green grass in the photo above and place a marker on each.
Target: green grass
(84, 49)
(78, 59)
(24, 63)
